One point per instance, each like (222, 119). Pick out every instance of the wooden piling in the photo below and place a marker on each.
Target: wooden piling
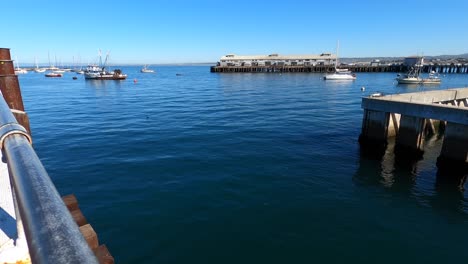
(100, 251)
(9, 86)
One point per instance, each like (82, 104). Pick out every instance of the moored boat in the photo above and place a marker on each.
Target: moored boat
(340, 74)
(99, 72)
(20, 71)
(413, 75)
(37, 69)
(94, 72)
(54, 74)
(146, 70)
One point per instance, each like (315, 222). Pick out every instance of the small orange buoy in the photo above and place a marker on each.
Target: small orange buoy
(135, 80)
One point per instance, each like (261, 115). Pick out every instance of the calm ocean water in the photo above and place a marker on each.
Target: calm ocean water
(241, 168)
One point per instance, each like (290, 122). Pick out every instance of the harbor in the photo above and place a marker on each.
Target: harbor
(220, 155)
(233, 132)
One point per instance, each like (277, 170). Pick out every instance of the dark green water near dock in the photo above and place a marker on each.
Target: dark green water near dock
(242, 168)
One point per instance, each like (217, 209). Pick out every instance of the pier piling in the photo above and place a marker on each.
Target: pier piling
(411, 116)
(10, 89)
(455, 145)
(374, 127)
(410, 134)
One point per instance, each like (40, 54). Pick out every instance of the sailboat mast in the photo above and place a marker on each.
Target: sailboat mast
(337, 49)
(100, 58)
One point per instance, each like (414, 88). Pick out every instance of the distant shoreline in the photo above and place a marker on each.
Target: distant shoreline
(344, 60)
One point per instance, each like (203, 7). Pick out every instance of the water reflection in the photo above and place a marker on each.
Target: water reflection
(413, 176)
(386, 169)
(449, 188)
(103, 83)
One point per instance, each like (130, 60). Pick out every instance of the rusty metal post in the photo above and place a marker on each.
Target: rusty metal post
(9, 86)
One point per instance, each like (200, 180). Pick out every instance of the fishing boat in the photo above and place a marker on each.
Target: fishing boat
(340, 74)
(146, 70)
(54, 74)
(99, 72)
(413, 76)
(95, 72)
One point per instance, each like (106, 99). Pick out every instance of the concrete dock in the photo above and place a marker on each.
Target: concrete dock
(409, 116)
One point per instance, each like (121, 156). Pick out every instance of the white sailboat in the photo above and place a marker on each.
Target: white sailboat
(37, 69)
(340, 74)
(18, 70)
(76, 69)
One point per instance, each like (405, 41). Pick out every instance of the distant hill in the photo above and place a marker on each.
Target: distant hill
(449, 57)
(440, 57)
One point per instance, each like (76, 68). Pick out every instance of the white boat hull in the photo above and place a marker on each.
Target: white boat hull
(99, 76)
(418, 81)
(339, 77)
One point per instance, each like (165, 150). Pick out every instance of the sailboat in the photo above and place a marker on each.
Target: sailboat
(37, 69)
(340, 74)
(76, 69)
(18, 70)
(146, 70)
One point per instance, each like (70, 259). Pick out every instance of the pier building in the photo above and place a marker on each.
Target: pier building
(410, 116)
(232, 60)
(325, 63)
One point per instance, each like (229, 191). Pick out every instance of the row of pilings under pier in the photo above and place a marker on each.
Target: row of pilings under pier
(409, 116)
(442, 68)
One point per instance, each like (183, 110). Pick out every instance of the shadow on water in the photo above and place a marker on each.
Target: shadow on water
(380, 166)
(449, 193)
(399, 173)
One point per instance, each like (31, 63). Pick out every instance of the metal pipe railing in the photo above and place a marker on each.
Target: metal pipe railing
(51, 233)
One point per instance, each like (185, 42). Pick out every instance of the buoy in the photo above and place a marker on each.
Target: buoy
(135, 80)
(363, 88)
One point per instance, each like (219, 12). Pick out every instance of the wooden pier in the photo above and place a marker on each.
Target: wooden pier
(408, 116)
(396, 68)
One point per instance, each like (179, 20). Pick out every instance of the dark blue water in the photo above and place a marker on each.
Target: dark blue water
(242, 168)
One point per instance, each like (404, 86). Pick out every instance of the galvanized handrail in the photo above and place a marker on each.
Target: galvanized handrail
(51, 233)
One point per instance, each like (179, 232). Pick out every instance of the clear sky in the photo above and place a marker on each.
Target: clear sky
(176, 31)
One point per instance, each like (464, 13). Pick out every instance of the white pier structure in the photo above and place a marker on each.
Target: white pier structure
(406, 117)
(232, 60)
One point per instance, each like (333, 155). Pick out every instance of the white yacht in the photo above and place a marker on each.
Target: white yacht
(340, 74)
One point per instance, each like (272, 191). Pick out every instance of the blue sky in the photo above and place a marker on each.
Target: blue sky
(175, 31)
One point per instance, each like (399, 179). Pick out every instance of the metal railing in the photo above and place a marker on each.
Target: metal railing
(51, 233)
